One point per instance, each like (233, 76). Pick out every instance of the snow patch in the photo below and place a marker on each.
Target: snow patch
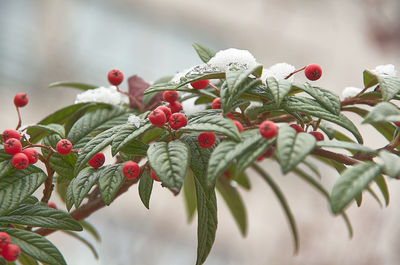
(279, 71)
(108, 95)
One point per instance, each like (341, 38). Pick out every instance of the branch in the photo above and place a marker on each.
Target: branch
(335, 156)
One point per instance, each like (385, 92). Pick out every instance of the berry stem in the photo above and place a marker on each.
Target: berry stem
(216, 88)
(301, 69)
(19, 118)
(317, 125)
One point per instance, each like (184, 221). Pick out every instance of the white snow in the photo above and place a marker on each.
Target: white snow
(387, 69)
(279, 71)
(135, 120)
(190, 108)
(225, 58)
(108, 95)
(350, 92)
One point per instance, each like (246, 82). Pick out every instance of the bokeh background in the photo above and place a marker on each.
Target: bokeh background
(44, 41)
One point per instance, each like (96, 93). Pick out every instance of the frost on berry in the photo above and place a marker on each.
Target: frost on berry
(177, 120)
(157, 117)
(97, 160)
(268, 129)
(131, 169)
(170, 96)
(313, 72)
(201, 84)
(12, 146)
(206, 139)
(20, 100)
(10, 133)
(115, 77)
(64, 147)
(153, 175)
(20, 161)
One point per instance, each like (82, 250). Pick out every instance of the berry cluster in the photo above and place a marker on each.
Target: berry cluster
(10, 252)
(318, 135)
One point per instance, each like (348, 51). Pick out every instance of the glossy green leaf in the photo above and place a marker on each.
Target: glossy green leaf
(370, 79)
(215, 123)
(145, 188)
(39, 131)
(69, 198)
(82, 184)
(204, 53)
(279, 89)
(347, 146)
(39, 215)
(25, 260)
(80, 86)
(90, 229)
(17, 185)
(5, 168)
(127, 133)
(383, 112)
(325, 97)
(391, 163)
(227, 151)
(35, 245)
(282, 200)
(189, 192)
(170, 162)
(243, 180)
(353, 181)
(382, 185)
(293, 147)
(85, 242)
(110, 180)
(63, 114)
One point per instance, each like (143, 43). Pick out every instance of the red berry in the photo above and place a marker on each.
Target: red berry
(238, 125)
(318, 135)
(227, 175)
(52, 205)
(157, 117)
(175, 106)
(260, 158)
(115, 77)
(216, 103)
(131, 169)
(64, 147)
(20, 100)
(397, 124)
(229, 115)
(200, 84)
(20, 161)
(10, 133)
(13, 146)
(297, 128)
(313, 71)
(269, 152)
(166, 110)
(97, 160)
(268, 129)
(4, 240)
(153, 175)
(170, 96)
(11, 252)
(206, 139)
(177, 120)
(32, 155)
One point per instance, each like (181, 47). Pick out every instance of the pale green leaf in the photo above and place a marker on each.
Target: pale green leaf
(127, 133)
(325, 97)
(80, 86)
(204, 53)
(83, 183)
(383, 112)
(145, 188)
(189, 192)
(279, 89)
(347, 146)
(110, 180)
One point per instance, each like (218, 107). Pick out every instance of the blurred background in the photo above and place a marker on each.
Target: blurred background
(44, 41)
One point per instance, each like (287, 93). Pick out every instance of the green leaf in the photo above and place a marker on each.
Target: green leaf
(383, 112)
(370, 79)
(282, 200)
(234, 202)
(62, 115)
(91, 229)
(135, 147)
(39, 131)
(83, 183)
(390, 86)
(110, 180)
(279, 89)
(204, 53)
(80, 86)
(169, 161)
(391, 163)
(206, 199)
(191, 77)
(381, 182)
(35, 246)
(5, 168)
(225, 153)
(39, 215)
(17, 185)
(84, 241)
(155, 88)
(243, 180)
(127, 134)
(26, 260)
(92, 121)
(293, 147)
(347, 146)
(216, 123)
(313, 108)
(325, 97)
(94, 146)
(69, 198)
(189, 191)
(145, 188)
(353, 181)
